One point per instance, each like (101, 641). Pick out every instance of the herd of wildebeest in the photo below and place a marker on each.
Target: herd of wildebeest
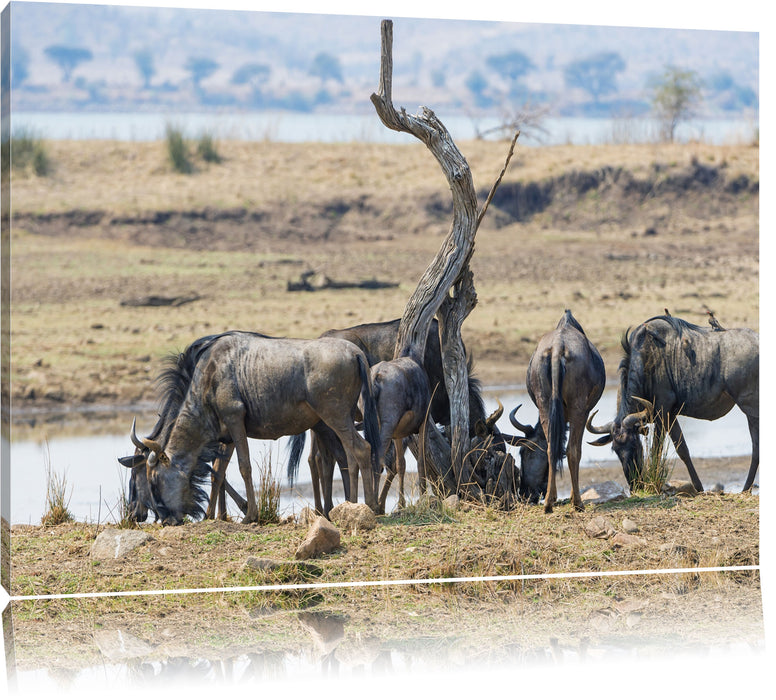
(226, 388)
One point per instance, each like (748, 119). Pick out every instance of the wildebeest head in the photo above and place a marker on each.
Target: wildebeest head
(625, 435)
(534, 467)
(163, 485)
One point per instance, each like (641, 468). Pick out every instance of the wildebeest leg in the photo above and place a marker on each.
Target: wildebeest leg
(754, 431)
(401, 466)
(235, 423)
(552, 493)
(680, 445)
(359, 456)
(217, 485)
(314, 460)
(574, 455)
(390, 472)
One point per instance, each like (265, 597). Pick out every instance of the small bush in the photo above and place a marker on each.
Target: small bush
(268, 495)
(28, 150)
(57, 499)
(178, 150)
(206, 149)
(657, 467)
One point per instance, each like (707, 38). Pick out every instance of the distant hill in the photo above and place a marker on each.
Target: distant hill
(208, 59)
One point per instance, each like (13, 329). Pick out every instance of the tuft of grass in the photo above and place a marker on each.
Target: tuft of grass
(657, 467)
(57, 498)
(206, 148)
(29, 151)
(426, 510)
(268, 494)
(178, 150)
(123, 519)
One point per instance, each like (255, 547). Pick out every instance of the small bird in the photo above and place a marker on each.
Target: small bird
(713, 322)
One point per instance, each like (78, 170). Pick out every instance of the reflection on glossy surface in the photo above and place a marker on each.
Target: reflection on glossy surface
(392, 630)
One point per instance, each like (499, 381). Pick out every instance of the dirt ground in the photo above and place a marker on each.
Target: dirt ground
(615, 233)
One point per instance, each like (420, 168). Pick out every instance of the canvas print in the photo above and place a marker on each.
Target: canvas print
(339, 345)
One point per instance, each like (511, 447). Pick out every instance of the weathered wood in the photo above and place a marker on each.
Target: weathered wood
(457, 247)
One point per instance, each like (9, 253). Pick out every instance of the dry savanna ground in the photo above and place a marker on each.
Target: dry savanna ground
(615, 233)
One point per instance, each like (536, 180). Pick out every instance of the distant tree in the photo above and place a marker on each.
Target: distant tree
(68, 58)
(20, 65)
(675, 97)
(254, 74)
(325, 66)
(144, 61)
(438, 77)
(596, 74)
(200, 68)
(476, 84)
(512, 66)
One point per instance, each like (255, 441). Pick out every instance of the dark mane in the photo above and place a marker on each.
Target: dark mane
(678, 324)
(175, 378)
(568, 319)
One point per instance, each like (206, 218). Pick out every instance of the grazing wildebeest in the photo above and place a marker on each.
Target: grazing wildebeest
(565, 379)
(534, 466)
(250, 385)
(377, 341)
(676, 368)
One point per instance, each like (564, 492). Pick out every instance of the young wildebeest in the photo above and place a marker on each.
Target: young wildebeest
(674, 368)
(250, 385)
(402, 394)
(565, 379)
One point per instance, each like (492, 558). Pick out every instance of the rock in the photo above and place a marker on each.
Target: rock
(623, 538)
(113, 543)
(451, 502)
(717, 488)
(629, 526)
(353, 517)
(603, 493)
(680, 488)
(322, 538)
(120, 645)
(599, 527)
(307, 516)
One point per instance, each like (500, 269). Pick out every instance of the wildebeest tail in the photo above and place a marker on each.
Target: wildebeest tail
(556, 440)
(295, 449)
(371, 422)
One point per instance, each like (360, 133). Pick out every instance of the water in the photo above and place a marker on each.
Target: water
(303, 127)
(90, 464)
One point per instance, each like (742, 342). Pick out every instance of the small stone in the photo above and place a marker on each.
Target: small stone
(114, 543)
(604, 492)
(680, 488)
(353, 517)
(322, 538)
(599, 527)
(629, 526)
(451, 502)
(624, 539)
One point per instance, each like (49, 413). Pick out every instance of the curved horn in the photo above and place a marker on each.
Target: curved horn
(648, 405)
(490, 421)
(602, 430)
(133, 436)
(527, 429)
(635, 419)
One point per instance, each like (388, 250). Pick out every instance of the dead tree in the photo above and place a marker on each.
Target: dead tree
(446, 288)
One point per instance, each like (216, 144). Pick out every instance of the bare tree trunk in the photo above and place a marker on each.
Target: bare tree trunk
(450, 262)
(457, 247)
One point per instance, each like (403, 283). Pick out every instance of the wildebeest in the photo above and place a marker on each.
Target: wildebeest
(377, 341)
(402, 394)
(565, 379)
(245, 385)
(678, 368)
